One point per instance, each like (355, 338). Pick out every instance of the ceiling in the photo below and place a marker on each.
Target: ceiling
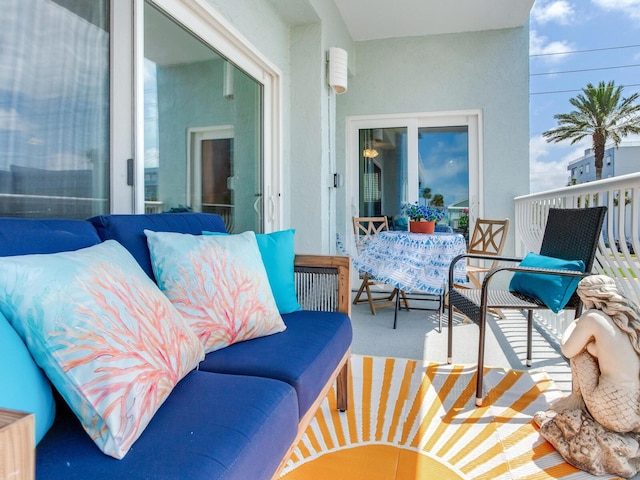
(378, 19)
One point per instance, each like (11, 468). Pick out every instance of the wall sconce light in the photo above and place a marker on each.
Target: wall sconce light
(338, 71)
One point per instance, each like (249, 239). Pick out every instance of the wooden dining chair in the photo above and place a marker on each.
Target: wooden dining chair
(488, 239)
(364, 228)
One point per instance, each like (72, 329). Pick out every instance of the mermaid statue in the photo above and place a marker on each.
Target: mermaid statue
(597, 427)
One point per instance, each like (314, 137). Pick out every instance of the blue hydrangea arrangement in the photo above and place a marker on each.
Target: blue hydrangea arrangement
(417, 212)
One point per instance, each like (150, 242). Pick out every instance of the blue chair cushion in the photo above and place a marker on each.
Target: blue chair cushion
(553, 290)
(129, 230)
(304, 355)
(210, 427)
(24, 236)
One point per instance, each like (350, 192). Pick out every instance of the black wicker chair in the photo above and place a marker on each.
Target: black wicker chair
(570, 234)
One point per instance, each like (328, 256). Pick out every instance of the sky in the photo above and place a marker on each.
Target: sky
(444, 156)
(605, 34)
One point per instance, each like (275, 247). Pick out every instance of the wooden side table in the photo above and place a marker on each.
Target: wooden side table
(17, 445)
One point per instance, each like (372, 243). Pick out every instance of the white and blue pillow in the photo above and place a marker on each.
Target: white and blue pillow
(107, 338)
(277, 252)
(218, 283)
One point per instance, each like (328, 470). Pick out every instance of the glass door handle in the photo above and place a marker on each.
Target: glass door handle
(272, 208)
(256, 203)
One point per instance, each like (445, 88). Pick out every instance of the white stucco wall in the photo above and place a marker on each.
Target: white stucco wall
(488, 71)
(313, 133)
(484, 70)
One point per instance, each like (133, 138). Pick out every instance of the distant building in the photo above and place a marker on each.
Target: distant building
(617, 161)
(151, 184)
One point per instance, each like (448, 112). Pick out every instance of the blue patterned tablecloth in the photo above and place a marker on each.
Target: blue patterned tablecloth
(413, 261)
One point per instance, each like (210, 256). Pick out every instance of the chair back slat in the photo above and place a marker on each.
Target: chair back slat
(488, 237)
(370, 225)
(573, 233)
(365, 228)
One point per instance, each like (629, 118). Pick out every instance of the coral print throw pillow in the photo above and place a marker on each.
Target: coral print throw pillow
(218, 283)
(107, 338)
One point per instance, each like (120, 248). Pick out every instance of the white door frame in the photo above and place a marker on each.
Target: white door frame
(195, 136)
(413, 121)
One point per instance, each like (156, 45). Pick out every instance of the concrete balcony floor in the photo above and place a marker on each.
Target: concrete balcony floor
(416, 337)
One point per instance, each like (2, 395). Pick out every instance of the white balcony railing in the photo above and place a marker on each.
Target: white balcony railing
(619, 242)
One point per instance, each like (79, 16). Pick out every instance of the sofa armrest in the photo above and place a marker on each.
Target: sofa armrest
(323, 282)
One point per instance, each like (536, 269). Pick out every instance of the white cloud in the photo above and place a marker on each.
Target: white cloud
(11, 120)
(42, 67)
(630, 8)
(540, 45)
(68, 161)
(558, 11)
(549, 161)
(151, 158)
(545, 176)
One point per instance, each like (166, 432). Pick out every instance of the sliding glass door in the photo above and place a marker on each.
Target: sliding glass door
(413, 163)
(203, 128)
(54, 108)
(126, 107)
(382, 170)
(443, 170)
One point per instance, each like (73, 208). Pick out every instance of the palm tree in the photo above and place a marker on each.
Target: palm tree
(601, 112)
(426, 194)
(438, 200)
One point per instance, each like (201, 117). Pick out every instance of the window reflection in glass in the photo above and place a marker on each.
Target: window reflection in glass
(383, 171)
(443, 170)
(54, 108)
(203, 128)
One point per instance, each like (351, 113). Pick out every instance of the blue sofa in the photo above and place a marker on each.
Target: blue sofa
(241, 413)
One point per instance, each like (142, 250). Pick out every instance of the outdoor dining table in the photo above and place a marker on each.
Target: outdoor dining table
(413, 262)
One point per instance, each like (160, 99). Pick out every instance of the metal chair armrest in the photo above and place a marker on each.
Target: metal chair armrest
(538, 270)
(516, 268)
(479, 257)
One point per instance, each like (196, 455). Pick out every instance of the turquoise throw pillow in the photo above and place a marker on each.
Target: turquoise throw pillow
(277, 252)
(104, 334)
(24, 386)
(552, 290)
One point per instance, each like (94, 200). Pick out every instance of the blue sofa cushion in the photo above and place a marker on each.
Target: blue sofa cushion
(129, 230)
(210, 427)
(304, 355)
(24, 236)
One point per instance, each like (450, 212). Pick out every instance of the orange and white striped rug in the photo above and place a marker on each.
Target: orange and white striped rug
(408, 422)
